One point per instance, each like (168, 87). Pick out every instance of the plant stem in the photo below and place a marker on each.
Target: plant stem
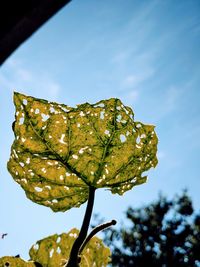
(73, 258)
(97, 229)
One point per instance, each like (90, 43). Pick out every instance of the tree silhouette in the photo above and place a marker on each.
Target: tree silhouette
(165, 233)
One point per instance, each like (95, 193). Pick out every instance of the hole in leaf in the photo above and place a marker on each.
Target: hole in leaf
(36, 246)
(66, 187)
(45, 117)
(58, 239)
(61, 140)
(82, 114)
(48, 187)
(58, 250)
(64, 109)
(101, 105)
(51, 253)
(52, 110)
(37, 111)
(81, 151)
(21, 121)
(25, 102)
(44, 170)
(38, 189)
(119, 117)
(127, 112)
(102, 115)
(138, 140)
(122, 138)
(143, 136)
(107, 132)
(15, 153)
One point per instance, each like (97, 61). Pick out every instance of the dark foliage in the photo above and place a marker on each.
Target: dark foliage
(162, 234)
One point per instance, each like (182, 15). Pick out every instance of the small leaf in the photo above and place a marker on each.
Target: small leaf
(15, 262)
(60, 151)
(54, 251)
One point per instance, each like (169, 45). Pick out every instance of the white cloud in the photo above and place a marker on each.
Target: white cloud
(33, 82)
(129, 98)
(25, 75)
(133, 80)
(120, 56)
(166, 102)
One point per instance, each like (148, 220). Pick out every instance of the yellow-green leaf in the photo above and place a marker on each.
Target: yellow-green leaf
(9, 261)
(60, 151)
(54, 251)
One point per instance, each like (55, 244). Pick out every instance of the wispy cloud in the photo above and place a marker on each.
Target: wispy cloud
(172, 96)
(169, 102)
(133, 80)
(16, 77)
(129, 98)
(120, 56)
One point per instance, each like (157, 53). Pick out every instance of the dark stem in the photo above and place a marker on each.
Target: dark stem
(97, 229)
(74, 258)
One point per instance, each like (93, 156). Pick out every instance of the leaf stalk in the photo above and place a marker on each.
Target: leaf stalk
(74, 258)
(97, 229)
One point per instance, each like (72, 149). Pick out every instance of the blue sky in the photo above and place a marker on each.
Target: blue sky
(144, 52)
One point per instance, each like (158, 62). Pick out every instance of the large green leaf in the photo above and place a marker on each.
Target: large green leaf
(9, 261)
(54, 251)
(60, 151)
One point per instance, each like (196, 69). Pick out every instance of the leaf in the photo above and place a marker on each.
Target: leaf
(15, 262)
(60, 151)
(54, 251)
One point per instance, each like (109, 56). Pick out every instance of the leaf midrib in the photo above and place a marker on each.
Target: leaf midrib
(63, 162)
